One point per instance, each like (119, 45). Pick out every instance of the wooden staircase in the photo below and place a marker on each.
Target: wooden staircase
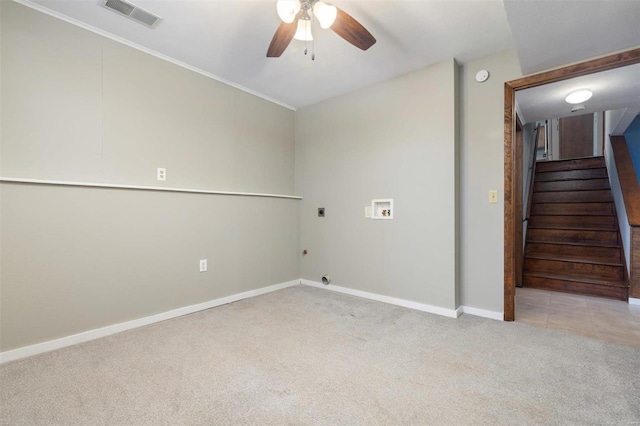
(573, 242)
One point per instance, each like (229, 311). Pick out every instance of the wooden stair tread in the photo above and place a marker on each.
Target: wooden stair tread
(592, 281)
(544, 191)
(572, 228)
(574, 202)
(569, 227)
(577, 287)
(572, 185)
(608, 219)
(550, 179)
(588, 253)
(572, 214)
(573, 243)
(593, 196)
(590, 236)
(571, 164)
(574, 174)
(561, 258)
(603, 208)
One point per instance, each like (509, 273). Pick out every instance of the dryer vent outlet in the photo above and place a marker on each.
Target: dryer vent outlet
(326, 279)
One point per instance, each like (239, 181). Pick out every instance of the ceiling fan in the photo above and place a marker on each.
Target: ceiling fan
(296, 18)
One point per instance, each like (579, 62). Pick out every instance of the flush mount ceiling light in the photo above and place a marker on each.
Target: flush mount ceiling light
(297, 17)
(579, 96)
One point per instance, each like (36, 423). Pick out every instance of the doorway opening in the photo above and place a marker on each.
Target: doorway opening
(513, 190)
(576, 136)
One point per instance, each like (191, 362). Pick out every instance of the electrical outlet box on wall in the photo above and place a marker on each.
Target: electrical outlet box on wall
(161, 173)
(382, 208)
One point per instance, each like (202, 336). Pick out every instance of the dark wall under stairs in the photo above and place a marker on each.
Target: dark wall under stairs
(573, 242)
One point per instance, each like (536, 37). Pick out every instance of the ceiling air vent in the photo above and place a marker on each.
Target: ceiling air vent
(132, 11)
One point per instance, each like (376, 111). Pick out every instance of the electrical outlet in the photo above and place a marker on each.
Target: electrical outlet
(162, 173)
(493, 196)
(203, 265)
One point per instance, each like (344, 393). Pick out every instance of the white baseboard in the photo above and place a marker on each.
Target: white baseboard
(451, 313)
(409, 304)
(140, 322)
(633, 301)
(482, 313)
(459, 311)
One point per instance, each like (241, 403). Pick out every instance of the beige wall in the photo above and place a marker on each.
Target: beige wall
(482, 161)
(394, 140)
(79, 107)
(82, 107)
(76, 259)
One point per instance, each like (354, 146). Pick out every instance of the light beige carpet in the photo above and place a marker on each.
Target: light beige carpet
(304, 356)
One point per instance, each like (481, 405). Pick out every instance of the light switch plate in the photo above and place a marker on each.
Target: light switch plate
(367, 212)
(493, 196)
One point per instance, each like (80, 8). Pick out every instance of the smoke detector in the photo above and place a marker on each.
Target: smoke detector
(482, 76)
(132, 11)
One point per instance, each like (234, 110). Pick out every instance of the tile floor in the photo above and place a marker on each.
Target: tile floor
(611, 320)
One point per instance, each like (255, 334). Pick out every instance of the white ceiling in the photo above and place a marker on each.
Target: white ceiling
(229, 38)
(552, 33)
(612, 89)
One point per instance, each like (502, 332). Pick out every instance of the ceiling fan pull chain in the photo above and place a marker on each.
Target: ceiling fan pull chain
(313, 45)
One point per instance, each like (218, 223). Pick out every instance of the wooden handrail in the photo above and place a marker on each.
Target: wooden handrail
(532, 177)
(628, 179)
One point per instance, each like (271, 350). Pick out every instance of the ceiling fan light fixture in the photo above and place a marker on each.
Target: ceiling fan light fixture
(325, 14)
(579, 96)
(304, 30)
(287, 10)
(341, 23)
